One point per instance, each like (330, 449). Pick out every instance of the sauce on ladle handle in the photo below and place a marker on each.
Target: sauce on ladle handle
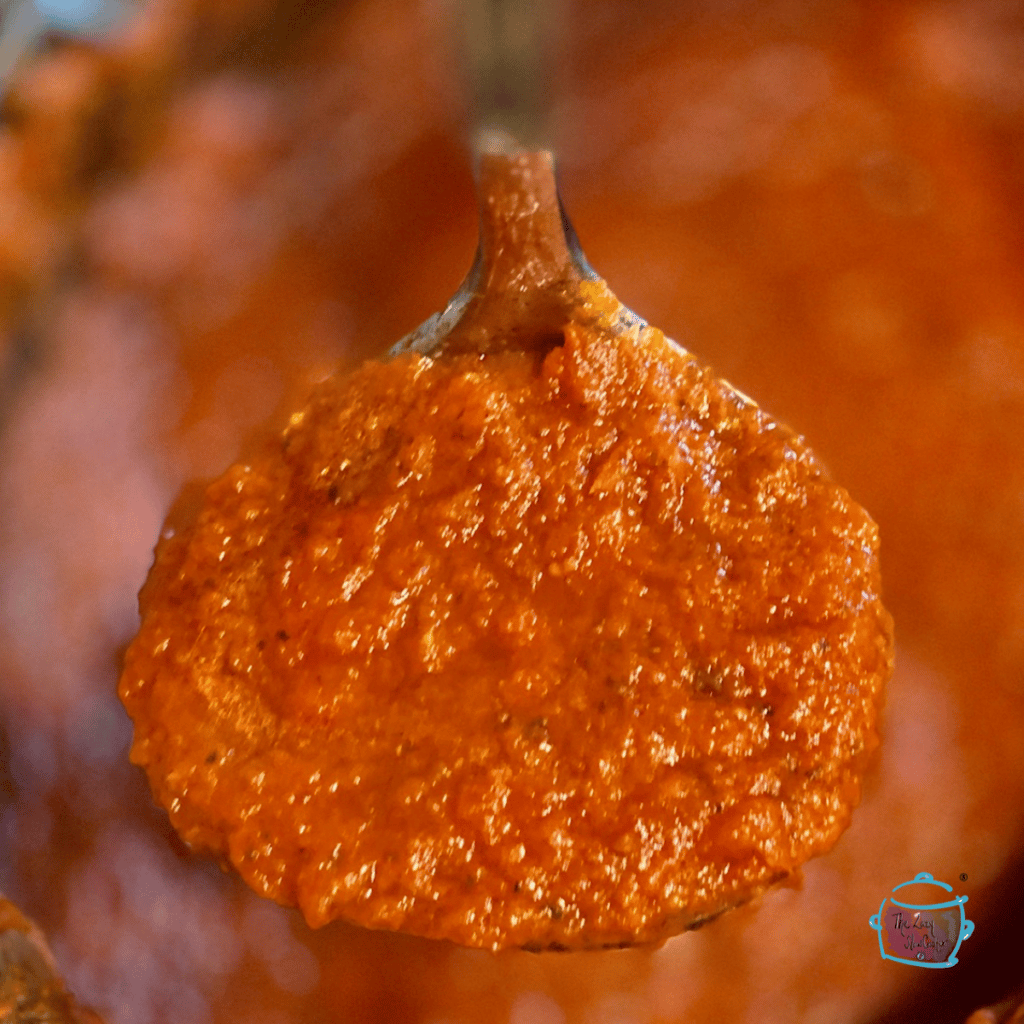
(528, 268)
(523, 239)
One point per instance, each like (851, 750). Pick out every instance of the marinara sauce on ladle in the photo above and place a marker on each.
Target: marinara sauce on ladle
(532, 634)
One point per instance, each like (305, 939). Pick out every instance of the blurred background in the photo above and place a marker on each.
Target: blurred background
(207, 206)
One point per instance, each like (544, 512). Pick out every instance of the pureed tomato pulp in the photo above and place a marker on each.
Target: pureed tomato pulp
(550, 641)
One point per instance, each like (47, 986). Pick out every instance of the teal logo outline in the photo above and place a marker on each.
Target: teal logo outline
(920, 917)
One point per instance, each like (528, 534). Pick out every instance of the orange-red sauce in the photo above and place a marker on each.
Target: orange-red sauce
(564, 645)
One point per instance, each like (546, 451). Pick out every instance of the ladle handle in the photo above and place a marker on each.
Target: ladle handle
(504, 51)
(528, 264)
(523, 241)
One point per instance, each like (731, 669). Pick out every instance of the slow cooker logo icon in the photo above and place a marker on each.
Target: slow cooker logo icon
(922, 934)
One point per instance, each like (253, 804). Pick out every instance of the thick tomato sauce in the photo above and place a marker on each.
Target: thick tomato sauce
(569, 645)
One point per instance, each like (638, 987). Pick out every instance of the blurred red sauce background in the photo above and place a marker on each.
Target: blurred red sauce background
(228, 200)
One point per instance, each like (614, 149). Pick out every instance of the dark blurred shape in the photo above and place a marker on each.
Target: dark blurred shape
(30, 990)
(1009, 1011)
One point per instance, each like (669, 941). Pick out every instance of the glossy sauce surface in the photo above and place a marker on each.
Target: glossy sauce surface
(559, 642)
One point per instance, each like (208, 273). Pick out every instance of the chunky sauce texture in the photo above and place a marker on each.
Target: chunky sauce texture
(555, 646)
